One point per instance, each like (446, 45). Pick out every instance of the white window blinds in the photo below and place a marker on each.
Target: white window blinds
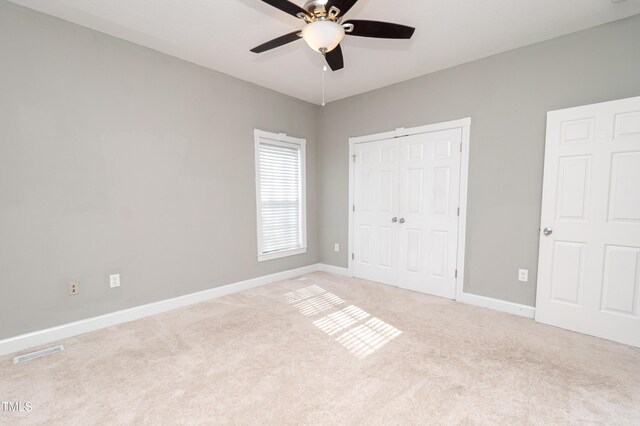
(280, 198)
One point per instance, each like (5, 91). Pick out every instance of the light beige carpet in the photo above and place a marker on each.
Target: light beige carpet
(329, 350)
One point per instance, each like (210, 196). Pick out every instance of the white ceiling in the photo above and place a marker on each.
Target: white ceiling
(218, 34)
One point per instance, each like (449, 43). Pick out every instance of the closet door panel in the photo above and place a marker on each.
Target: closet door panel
(375, 205)
(429, 193)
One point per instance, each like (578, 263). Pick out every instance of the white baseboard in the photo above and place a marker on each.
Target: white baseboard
(49, 335)
(64, 331)
(499, 305)
(334, 270)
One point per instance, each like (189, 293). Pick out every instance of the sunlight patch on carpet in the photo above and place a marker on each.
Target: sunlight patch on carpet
(358, 337)
(319, 304)
(340, 320)
(366, 338)
(303, 293)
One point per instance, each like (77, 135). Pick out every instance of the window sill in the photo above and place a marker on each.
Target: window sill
(279, 254)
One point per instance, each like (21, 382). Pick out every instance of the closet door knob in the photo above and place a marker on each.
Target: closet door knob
(402, 220)
(394, 220)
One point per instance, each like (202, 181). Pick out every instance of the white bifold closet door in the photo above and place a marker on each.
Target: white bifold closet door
(406, 194)
(589, 263)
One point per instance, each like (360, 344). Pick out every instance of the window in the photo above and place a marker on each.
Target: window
(280, 195)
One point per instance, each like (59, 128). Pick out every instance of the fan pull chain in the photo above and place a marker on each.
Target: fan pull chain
(324, 71)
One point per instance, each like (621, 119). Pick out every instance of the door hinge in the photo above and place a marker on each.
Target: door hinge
(460, 146)
(353, 256)
(354, 207)
(354, 158)
(456, 273)
(458, 211)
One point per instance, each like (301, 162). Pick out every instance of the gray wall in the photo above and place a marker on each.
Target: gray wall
(507, 96)
(116, 158)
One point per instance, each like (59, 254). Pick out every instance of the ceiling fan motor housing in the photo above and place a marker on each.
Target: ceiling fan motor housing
(316, 7)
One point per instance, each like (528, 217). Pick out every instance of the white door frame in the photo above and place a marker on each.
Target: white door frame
(465, 125)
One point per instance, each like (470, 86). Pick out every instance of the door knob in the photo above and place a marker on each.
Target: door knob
(402, 220)
(547, 231)
(394, 220)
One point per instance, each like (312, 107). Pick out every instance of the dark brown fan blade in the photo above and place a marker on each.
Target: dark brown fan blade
(343, 5)
(378, 29)
(277, 42)
(335, 59)
(287, 7)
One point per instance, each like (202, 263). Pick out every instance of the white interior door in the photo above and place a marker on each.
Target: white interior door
(589, 264)
(406, 195)
(376, 203)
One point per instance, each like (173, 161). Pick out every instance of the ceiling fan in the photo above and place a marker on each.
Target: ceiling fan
(324, 29)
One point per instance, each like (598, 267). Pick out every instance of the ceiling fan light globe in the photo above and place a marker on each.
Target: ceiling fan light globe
(321, 35)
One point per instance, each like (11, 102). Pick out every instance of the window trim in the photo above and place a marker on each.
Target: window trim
(282, 140)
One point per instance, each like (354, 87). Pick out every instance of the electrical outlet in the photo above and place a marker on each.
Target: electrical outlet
(523, 275)
(74, 288)
(114, 280)
(336, 247)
